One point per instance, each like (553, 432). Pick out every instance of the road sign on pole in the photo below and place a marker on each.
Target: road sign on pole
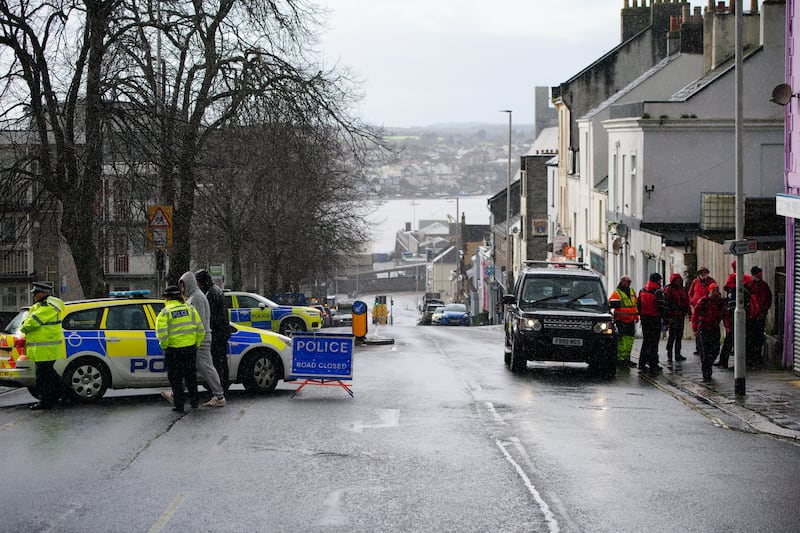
(159, 226)
(740, 247)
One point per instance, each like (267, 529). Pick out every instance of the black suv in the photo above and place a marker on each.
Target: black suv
(560, 312)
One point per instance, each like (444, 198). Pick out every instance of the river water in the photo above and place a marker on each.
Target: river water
(393, 215)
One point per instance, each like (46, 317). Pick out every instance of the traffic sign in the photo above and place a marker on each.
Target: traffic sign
(740, 247)
(159, 226)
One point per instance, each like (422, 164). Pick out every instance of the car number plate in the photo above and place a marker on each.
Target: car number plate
(562, 341)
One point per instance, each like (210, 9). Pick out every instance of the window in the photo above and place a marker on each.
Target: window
(622, 192)
(634, 188)
(615, 199)
(247, 302)
(83, 320)
(127, 317)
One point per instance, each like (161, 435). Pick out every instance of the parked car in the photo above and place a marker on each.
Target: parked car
(256, 311)
(427, 314)
(343, 315)
(560, 312)
(325, 314)
(455, 315)
(436, 317)
(111, 344)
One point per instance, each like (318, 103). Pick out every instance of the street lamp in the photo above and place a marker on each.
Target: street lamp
(508, 203)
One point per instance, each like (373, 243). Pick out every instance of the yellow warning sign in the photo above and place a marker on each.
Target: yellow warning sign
(159, 226)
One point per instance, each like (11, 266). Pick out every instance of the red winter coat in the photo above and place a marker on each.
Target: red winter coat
(677, 298)
(730, 283)
(709, 312)
(698, 289)
(648, 300)
(763, 295)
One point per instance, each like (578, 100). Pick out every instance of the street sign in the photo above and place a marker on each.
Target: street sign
(159, 226)
(740, 247)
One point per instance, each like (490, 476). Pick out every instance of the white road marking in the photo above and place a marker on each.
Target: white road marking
(495, 414)
(164, 518)
(552, 523)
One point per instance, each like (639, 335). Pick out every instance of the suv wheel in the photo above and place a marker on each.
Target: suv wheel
(518, 362)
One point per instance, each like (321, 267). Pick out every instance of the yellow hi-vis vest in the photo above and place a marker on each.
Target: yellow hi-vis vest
(627, 311)
(44, 337)
(178, 325)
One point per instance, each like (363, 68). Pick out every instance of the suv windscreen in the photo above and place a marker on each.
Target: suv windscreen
(568, 292)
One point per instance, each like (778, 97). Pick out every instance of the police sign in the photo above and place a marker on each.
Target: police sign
(322, 356)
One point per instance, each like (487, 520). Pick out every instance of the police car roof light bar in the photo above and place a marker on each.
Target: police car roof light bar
(560, 264)
(129, 294)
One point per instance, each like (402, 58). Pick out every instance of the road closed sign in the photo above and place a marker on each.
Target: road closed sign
(322, 356)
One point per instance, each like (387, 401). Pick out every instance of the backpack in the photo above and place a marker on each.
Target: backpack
(751, 306)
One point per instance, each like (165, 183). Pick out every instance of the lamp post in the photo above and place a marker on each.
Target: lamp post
(508, 205)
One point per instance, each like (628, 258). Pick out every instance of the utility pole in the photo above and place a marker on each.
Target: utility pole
(509, 277)
(740, 369)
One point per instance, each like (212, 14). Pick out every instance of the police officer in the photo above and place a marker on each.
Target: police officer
(625, 318)
(180, 331)
(44, 342)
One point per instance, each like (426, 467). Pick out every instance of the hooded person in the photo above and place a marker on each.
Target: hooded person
(652, 309)
(707, 315)
(697, 290)
(762, 295)
(205, 364)
(677, 308)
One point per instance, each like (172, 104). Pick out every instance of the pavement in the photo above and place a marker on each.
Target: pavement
(770, 405)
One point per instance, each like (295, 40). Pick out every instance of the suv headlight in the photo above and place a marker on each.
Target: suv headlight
(605, 328)
(530, 324)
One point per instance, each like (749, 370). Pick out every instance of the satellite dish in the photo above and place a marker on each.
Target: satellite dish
(616, 245)
(621, 230)
(781, 94)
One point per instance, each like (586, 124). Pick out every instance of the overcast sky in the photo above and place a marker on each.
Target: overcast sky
(424, 62)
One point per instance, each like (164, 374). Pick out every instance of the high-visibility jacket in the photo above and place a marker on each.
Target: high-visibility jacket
(44, 336)
(178, 325)
(627, 311)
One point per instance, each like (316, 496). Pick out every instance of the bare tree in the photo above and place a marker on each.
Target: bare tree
(53, 86)
(194, 68)
(280, 202)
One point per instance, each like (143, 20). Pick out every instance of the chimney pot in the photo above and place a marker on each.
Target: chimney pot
(753, 6)
(720, 7)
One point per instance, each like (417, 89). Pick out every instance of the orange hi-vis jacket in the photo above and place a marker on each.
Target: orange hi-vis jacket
(627, 311)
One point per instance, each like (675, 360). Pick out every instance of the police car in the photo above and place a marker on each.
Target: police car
(256, 311)
(111, 344)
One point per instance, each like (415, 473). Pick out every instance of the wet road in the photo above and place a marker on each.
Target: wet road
(439, 437)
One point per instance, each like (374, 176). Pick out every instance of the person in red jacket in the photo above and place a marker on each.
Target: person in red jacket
(652, 308)
(730, 294)
(677, 309)
(697, 290)
(709, 312)
(755, 326)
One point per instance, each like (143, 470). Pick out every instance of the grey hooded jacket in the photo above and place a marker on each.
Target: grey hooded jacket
(198, 300)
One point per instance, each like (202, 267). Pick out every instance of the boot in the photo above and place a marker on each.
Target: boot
(669, 356)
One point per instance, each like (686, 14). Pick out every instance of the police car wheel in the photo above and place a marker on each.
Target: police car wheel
(291, 326)
(260, 372)
(86, 380)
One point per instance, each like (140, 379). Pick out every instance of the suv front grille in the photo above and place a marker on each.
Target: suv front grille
(566, 323)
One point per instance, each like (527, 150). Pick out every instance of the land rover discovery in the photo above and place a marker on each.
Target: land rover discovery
(560, 312)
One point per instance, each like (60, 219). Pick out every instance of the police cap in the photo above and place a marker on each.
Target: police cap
(42, 286)
(172, 291)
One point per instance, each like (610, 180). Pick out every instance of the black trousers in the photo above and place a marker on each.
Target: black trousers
(48, 382)
(182, 370)
(219, 355)
(755, 340)
(651, 332)
(675, 335)
(709, 348)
